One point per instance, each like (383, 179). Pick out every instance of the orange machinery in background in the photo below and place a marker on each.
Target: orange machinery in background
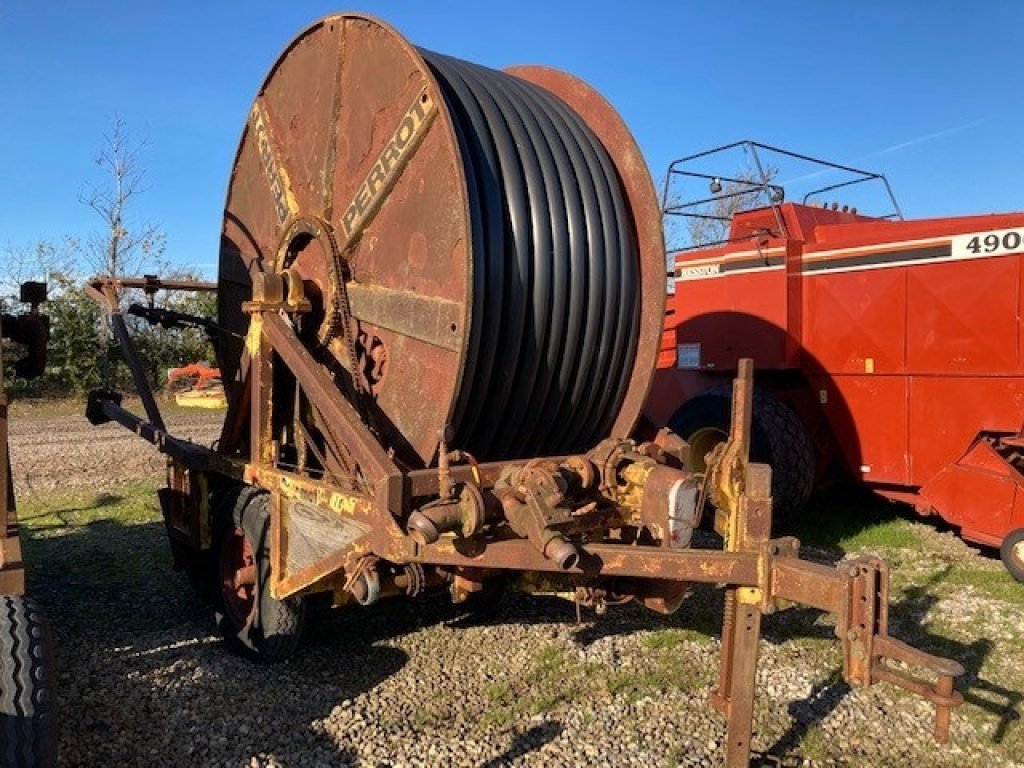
(204, 388)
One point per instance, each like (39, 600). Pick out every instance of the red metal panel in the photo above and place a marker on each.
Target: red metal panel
(946, 413)
(977, 493)
(854, 322)
(883, 232)
(733, 317)
(962, 317)
(1020, 314)
(869, 423)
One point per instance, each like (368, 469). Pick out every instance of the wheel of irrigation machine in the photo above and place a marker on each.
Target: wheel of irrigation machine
(251, 620)
(778, 438)
(1012, 553)
(28, 716)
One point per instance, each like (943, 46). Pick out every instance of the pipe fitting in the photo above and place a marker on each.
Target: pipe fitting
(466, 514)
(366, 588)
(426, 524)
(562, 552)
(422, 529)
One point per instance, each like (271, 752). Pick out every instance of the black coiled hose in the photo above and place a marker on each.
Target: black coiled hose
(556, 273)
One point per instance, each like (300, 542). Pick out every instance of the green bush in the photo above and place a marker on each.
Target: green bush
(82, 354)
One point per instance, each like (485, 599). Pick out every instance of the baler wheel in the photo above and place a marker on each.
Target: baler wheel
(28, 716)
(778, 438)
(1012, 553)
(251, 620)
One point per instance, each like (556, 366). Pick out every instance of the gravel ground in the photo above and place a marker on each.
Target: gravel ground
(145, 681)
(53, 446)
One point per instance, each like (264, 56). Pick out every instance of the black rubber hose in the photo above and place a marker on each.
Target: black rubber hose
(577, 401)
(585, 419)
(550, 424)
(507, 402)
(555, 308)
(514, 261)
(548, 297)
(567, 218)
(479, 154)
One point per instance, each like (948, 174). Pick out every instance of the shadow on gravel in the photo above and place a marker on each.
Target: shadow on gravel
(997, 700)
(905, 616)
(143, 679)
(526, 742)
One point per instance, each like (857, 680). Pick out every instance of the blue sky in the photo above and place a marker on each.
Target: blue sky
(929, 93)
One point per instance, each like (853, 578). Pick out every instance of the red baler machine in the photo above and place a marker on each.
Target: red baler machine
(888, 346)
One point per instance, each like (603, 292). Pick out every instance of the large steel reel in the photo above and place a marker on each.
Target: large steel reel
(386, 177)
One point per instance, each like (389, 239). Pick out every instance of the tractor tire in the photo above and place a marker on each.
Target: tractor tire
(28, 705)
(1012, 553)
(777, 438)
(250, 619)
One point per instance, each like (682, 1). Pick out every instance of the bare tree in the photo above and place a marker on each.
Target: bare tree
(706, 222)
(748, 190)
(125, 245)
(42, 260)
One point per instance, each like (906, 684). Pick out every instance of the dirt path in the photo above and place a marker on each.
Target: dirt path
(53, 446)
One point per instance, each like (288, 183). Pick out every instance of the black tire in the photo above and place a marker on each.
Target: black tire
(777, 438)
(268, 630)
(28, 704)
(1012, 553)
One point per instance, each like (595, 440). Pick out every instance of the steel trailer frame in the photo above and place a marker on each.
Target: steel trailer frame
(760, 574)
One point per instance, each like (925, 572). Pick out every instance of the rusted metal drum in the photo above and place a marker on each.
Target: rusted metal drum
(483, 250)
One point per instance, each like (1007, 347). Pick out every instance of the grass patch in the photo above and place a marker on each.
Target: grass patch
(499, 692)
(553, 678)
(889, 534)
(82, 547)
(997, 584)
(71, 407)
(814, 744)
(550, 680)
(663, 639)
(664, 673)
(636, 685)
(848, 517)
(63, 512)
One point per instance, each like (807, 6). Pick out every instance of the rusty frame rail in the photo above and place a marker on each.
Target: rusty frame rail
(12, 570)
(33, 329)
(760, 574)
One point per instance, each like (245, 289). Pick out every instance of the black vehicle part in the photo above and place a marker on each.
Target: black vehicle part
(778, 438)
(28, 707)
(250, 619)
(556, 265)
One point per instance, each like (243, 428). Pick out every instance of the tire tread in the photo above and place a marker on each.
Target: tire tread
(27, 705)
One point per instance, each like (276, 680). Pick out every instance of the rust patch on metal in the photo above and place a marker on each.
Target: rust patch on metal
(374, 189)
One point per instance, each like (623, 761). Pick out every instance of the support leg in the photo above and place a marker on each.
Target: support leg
(720, 696)
(746, 634)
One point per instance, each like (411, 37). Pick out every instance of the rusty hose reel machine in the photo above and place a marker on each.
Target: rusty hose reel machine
(464, 237)
(440, 299)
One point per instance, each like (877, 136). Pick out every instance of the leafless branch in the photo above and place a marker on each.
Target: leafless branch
(124, 245)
